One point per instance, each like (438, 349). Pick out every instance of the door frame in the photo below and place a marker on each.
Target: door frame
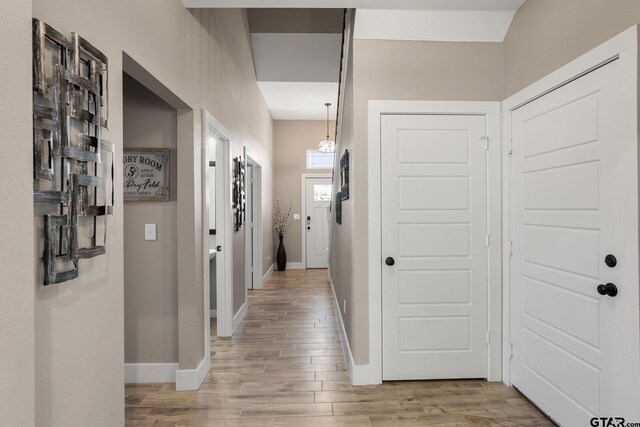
(224, 258)
(372, 372)
(303, 221)
(256, 230)
(623, 48)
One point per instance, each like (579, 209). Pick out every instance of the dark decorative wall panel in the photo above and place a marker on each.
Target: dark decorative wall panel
(73, 166)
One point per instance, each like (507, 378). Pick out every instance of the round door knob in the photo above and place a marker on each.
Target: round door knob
(389, 261)
(610, 260)
(608, 289)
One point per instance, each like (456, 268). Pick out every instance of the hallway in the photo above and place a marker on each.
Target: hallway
(285, 366)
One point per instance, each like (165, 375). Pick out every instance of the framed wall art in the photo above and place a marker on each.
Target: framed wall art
(145, 174)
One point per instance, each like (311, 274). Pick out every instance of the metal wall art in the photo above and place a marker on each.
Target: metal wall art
(344, 175)
(239, 201)
(73, 166)
(338, 208)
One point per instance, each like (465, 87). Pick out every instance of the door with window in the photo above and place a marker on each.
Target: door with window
(316, 221)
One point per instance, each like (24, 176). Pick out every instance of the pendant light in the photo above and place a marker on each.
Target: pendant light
(327, 146)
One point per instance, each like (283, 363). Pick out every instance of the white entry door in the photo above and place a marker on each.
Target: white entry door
(574, 201)
(316, 222)
(434, 245)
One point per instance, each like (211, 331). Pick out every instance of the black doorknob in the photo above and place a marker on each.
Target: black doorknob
(608, 289)
(389, 261)
(610, 260)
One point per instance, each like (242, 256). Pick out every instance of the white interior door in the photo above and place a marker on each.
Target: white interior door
(318, 198)
(434, 233)
(249, 232)
(574, 200)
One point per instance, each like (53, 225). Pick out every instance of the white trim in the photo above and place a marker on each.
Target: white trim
(303, 221)
(144, 373)
(224, 259)
(192, 379)
(491, 110)
(240, 315)
(357, 373)
(213, 313)
(624, 45)
(268, 274)
(256, 195)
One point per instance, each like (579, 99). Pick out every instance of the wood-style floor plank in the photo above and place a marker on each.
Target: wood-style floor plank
(285, 366)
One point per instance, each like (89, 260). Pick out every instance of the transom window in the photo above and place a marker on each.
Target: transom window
(319, 160)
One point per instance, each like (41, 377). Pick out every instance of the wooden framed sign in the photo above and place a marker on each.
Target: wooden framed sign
(145, 174)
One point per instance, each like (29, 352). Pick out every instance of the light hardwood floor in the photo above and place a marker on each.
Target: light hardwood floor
(285, 367)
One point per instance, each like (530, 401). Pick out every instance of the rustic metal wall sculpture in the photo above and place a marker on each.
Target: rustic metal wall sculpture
(344, 175)
(73, 166)
(239, 201)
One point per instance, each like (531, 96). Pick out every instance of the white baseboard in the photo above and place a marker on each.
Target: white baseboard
(292, 266)
(359, 374)
(239, 316)
(192, 379)
(141, 373)
(267, 275)
(213, 313)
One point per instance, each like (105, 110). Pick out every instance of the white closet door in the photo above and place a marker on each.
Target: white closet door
(574, 201)
(434, 235)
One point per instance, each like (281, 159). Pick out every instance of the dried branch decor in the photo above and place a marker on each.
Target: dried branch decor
(281, 219)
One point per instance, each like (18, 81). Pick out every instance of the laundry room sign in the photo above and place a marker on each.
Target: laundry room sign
(145, 174)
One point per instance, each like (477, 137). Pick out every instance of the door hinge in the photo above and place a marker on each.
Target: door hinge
(488, 337)
(486, 142)
(488, 240)
(510, 248)
(510, 350)
(510, 146)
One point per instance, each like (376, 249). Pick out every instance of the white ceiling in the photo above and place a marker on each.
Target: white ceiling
(362, 4)
(298, 72)
(300, 100)
(433, 25)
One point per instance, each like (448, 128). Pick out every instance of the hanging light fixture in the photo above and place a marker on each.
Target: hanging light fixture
(327, 146)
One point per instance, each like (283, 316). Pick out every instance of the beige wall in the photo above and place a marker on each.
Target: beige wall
(283, 20)
(341, 254)
(16, 218)
(204, 58)
(546, 34)
(399, 70)
(292, 139)
(150, 267)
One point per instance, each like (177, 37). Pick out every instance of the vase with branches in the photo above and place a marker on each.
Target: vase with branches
(281, 223)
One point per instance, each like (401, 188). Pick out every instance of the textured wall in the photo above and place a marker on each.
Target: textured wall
(150, 267)
(16, 218)
(546, 34)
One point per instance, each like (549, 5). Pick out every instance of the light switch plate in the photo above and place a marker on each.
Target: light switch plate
(149, 232)
(296, 217)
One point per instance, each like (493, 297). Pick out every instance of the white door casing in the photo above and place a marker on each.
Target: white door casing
(573, 200)
(316, 221)
(434, 227)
